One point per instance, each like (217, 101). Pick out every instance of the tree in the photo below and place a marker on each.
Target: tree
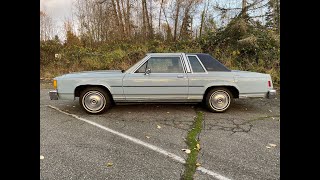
(71, 38)
(176, 18)
(46, 27)
(273, 15)
(203, 14)
(244, 7)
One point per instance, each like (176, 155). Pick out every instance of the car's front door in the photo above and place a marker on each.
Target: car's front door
(166, 81)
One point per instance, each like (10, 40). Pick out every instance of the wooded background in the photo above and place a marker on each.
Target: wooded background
(114, 34)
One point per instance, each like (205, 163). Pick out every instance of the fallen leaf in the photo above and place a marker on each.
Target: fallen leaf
(158, 126)
(268, 147)
(275, 98)
(272, 145)
(73, 106)
(188, 151)
(168, 112)
(148, 137)
(198, 164)
(109, 164)
(246, 109)
(41, 157)
(273, 118)
(270, 110)
(198, 147)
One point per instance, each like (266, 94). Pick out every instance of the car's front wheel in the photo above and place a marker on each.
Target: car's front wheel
(94, 100)
(218, 99)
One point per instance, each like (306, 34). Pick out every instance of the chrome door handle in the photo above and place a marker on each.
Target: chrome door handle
(180, 76)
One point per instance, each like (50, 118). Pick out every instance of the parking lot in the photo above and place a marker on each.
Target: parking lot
(144, 141)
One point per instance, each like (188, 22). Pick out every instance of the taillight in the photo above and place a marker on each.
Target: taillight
(269, 83)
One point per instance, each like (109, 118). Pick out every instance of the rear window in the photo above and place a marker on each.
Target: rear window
(195, 64)
(211, 64)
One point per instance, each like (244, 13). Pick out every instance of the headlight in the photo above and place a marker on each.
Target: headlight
(55, 84)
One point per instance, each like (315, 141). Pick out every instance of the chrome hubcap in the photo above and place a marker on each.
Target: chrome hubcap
(220, 100)
(93, 101)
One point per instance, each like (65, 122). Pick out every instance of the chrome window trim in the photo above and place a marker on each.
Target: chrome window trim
(140, 64)
(205, 70)
(161, 55)
(187, 62)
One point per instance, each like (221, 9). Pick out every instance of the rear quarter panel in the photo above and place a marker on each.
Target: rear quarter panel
(199, 82)
(252, 84)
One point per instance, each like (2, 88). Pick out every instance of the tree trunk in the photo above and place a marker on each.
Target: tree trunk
(128, 18)
(148, 24)
(176, 19)
(160, 14)
(120, 18)
(244, 7)
(116, 14)
(124, 16)
(203, 14)
(144, 27)
(169, 35)
(278, 15)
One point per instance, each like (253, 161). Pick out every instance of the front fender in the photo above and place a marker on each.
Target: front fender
(114, 86)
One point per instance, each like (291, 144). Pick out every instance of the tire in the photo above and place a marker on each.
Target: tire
(95, 100)
(218, 99)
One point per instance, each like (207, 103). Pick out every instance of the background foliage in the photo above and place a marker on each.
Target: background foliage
(115, 34)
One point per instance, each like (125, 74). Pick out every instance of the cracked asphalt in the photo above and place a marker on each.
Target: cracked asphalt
(235, 144)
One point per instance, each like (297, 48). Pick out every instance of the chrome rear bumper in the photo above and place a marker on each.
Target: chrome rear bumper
(271, 93)
(53, 95)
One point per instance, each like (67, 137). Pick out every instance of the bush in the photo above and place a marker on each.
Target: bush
(240, 45)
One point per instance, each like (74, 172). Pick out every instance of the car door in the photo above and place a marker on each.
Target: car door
(167, 81)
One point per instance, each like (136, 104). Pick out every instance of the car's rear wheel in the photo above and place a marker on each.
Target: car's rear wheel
(94, 100)
(218, 99)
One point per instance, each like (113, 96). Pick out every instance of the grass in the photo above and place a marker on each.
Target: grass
(192, 141)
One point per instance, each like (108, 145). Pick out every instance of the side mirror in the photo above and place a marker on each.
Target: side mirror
(148, 71)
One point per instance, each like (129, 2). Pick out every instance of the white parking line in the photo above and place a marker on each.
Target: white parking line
(138, 141)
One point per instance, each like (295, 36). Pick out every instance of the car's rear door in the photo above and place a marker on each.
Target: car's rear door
(167, 81)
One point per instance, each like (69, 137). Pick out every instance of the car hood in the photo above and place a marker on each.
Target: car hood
(90, 74)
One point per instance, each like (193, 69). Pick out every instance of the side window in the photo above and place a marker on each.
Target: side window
(195, 64)
(165, 65)
(142, 69)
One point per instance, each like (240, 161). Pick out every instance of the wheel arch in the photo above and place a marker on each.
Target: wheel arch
(82, 87)
(234, 90)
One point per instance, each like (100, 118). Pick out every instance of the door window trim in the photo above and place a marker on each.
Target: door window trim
(150, 56)
(205, 71)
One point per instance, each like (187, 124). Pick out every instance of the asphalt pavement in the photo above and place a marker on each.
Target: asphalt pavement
(242, 143)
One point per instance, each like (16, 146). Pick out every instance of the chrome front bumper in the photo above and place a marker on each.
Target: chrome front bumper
(271, 93)
(53, 95)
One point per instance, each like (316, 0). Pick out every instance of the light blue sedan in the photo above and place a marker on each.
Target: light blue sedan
(163, 77)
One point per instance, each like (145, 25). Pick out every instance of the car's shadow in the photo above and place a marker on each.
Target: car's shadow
(252, 105)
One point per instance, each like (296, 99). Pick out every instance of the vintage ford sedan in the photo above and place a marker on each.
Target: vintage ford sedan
(163, 77)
